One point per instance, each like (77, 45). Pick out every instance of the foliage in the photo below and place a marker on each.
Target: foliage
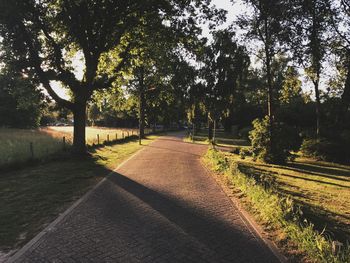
(46, 36)
(274, 149)
(21, 102)
(244, 152)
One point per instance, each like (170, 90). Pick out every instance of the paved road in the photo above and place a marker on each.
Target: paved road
(161, 206)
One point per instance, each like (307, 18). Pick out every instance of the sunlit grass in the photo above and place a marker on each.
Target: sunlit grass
(92, 133)
(322, 189)
(274, 192)
(15, 144)
(21, 145)
(222, 138)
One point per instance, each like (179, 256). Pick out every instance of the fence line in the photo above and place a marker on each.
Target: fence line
(38, 149)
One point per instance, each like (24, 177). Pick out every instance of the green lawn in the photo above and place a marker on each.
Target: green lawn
(322, 189)
(32, 198)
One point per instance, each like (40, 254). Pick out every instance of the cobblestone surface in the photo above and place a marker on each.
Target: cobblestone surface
(161, 206)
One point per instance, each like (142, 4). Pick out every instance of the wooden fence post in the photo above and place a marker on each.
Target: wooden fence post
(64, 143)
(107, 137)
(98, 139)
(116, 136)
(123, 135)
(31, 149)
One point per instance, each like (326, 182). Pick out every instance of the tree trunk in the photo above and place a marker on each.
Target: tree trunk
(345, 98)
(318, 109)
(270, 98)
(210, 129)
(141, 107)
(316, 65)
(142, 116)
(268, 55)
(270, 111)
(79, 114)
(214, 133)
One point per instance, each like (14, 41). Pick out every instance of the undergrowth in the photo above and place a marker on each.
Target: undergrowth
(279, 212)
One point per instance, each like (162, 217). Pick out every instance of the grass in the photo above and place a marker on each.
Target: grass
(284, 196)
(321, 189)
(32, 198)
(92, 132)
(15, 143)
(222, 138)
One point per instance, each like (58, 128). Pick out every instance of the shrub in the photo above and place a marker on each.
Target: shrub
(326, 150)
(244, 152)
(273, 144)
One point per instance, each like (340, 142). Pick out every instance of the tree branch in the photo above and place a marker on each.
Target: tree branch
(65, 76)
(36, 63)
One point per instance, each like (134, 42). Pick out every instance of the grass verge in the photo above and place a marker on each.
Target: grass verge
(278, 211)
(32, 198)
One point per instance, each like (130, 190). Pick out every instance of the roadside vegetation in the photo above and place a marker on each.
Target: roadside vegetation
(31, 198)
(304, 203)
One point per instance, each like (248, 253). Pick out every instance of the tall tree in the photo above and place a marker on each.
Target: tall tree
(265, 24)
(340, 27)
(46, 34)
(226, 63)
(309, 22)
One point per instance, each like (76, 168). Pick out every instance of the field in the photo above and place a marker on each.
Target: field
(20, 145)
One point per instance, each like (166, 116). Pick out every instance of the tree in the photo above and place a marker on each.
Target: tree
(225, 64)
(265, 24)
(308, 23)
(46, 35)
(340, 25)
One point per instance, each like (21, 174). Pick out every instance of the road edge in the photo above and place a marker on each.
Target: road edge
(250, 222)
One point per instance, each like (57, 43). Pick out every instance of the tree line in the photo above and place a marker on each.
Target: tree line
(148, 63)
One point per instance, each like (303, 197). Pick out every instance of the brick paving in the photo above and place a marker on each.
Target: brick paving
(161, 206)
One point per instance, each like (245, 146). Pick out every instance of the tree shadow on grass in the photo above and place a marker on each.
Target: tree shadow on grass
(258, 171)
(319, 216)
(329, 172)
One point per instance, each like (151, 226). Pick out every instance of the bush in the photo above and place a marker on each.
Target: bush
(244, 152)
(326, 150)
(273, 144)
